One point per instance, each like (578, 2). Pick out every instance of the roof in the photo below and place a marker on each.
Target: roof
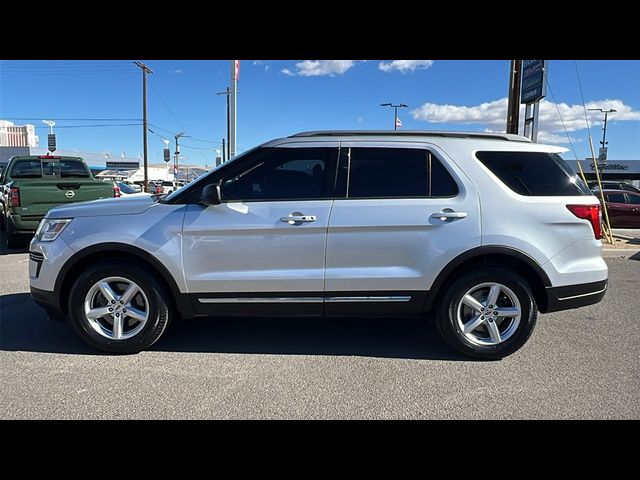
(412, 133)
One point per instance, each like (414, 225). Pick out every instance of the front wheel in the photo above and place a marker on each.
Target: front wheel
(488, 313)
(118, 307)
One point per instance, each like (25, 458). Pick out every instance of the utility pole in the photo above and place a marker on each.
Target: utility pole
(395, 108)
(233, 111)
(227, 93)
(602, 154)
(145, 70)
(513, 109)
(224, 158)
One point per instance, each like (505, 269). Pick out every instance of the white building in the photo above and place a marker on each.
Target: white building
(12, 135)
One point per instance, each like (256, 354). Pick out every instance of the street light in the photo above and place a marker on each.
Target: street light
(603, 149)
(50, 123)
(179, 135)
(395, 108)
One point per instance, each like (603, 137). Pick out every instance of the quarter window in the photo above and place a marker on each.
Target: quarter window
(634, 199)
(534, 173)
(615, 198)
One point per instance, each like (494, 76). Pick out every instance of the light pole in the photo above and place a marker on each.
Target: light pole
(228, 94)
(176, 164)
(395, 109)
(51, 124)
(603, 142)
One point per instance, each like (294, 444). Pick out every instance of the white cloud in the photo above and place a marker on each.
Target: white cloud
(176, 72)
(360, 120)
(405, 66)
(261, 63)
(319, 68)
(493, 115)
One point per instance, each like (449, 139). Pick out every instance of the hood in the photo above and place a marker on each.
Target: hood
(111, 206)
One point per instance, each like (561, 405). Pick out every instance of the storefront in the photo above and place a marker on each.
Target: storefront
(628, 170)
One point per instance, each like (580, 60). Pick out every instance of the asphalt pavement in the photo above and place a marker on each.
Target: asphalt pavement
(579, 364)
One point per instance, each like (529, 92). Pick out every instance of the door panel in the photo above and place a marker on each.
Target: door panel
(396, 244)
(245, 247)
(263, 249)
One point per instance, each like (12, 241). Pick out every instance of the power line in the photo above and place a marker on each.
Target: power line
(546, 77)
(89, 126)
(78, 119)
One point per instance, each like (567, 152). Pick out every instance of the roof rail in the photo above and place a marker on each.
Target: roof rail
(412, 133)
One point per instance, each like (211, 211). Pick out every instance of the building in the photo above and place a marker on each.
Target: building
(12, 135)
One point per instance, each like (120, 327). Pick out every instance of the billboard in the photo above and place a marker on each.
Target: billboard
(534, 87)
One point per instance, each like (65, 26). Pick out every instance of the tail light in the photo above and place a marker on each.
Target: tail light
(14, 197)
(116, 191)
(591, 213)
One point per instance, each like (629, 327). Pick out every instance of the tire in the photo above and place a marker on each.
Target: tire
(12, 239)
(481, 341)
(133, 335)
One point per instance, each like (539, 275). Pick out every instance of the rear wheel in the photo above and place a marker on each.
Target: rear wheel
(488, 313)
(119, 308)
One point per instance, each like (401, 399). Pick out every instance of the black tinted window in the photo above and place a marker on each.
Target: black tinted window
(284, 173)
(534, 173)
(27, 169)
(634, 199)
(615, 198)
(73, 168)
(397, 172)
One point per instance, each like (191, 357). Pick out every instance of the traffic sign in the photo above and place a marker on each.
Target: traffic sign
(167, 155)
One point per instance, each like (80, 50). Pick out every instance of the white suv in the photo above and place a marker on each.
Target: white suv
(478, 232)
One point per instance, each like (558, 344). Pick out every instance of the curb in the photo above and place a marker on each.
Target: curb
(619, 252)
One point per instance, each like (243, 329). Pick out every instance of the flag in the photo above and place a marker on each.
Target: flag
(237, 70)
(398, 122)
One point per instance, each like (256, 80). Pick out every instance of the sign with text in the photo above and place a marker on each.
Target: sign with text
(123, 165)
(51, 142)
(534, 87)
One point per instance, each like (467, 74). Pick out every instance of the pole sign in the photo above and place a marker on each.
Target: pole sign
(123, 165)
(167, 155)
(602, 154)
(51, 142)
(534, 87)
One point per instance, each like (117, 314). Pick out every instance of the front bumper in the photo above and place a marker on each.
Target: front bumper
(49, 301)
(574, 296)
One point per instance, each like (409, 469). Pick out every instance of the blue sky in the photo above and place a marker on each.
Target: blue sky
(278, 98)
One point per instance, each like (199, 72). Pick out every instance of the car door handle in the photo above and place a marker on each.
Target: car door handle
(297, 218)
(448, 214)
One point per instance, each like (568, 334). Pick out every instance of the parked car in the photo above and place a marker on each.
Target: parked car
(623, 208)
(476, 231)
(31, 185)
(155, 187)
(609, 185)
(127, 190)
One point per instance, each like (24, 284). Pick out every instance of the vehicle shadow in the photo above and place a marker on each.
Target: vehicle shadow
(23, 248)
(25, 327)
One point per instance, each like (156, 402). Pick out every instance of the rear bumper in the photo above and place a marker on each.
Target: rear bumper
(48, 301)
(22, 225)
(574, 296)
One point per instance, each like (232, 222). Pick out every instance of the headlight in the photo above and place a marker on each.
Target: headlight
(50, 228)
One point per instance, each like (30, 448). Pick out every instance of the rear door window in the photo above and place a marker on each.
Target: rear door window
(633, 199)
(534, 173)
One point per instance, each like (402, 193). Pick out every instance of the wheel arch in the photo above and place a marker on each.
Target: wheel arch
(510, 257)
(81, 259)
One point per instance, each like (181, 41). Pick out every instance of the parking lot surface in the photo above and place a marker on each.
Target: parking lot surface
(579, 364)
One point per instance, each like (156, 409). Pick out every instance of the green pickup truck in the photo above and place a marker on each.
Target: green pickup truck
(31, 185)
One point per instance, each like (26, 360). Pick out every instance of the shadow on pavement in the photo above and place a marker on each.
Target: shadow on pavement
(24, 245)
(25, 327)
(635, 256)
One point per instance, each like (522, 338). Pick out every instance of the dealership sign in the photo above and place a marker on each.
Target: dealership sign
(123, 165)
(631, 167)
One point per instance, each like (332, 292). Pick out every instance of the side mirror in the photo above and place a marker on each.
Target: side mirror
(211, 195)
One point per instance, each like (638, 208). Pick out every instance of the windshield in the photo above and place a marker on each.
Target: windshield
(202, 178)
(126, 188)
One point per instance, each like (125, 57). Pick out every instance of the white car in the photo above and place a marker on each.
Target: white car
(475, 231)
